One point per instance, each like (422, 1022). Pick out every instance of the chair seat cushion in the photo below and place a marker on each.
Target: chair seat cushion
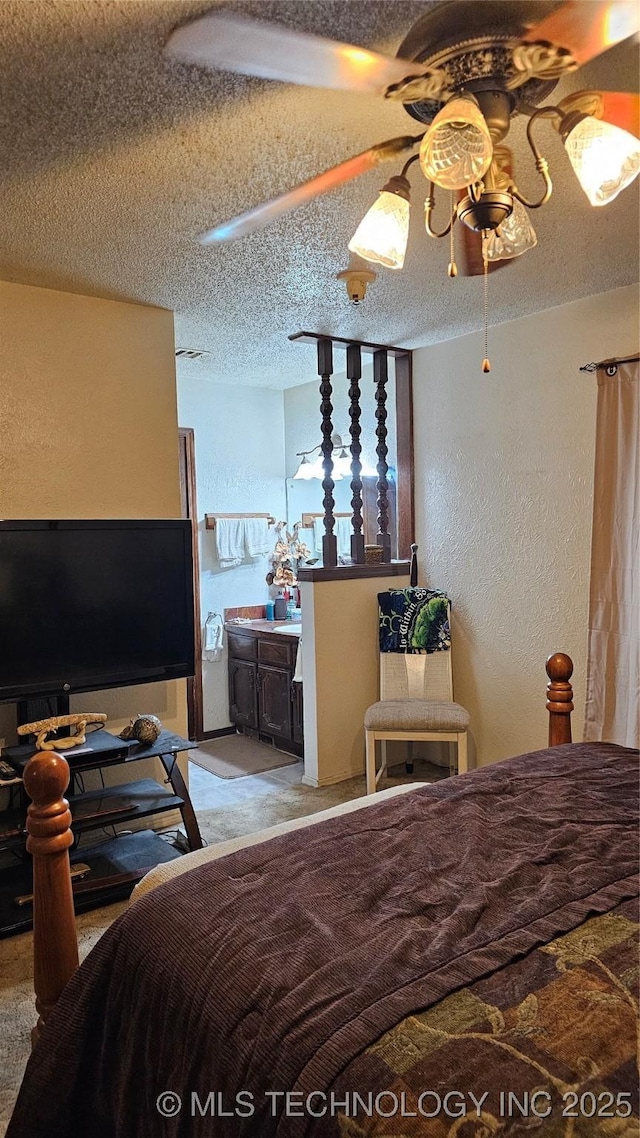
(416, 715)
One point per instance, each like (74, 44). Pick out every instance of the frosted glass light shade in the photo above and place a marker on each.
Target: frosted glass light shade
(306, 469)
(382, 234)
(342, 464)
(604, 157)
(513, 237)
(457, 149)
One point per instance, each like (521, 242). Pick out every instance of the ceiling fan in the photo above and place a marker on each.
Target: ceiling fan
(464, 71)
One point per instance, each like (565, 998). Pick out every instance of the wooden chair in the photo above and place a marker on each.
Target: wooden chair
(416, 703)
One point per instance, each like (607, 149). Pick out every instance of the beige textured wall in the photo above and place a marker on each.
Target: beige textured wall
(504, 477)
(340, 668)
(89, 429)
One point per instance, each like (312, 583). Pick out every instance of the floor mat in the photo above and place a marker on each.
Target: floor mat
(235, 756)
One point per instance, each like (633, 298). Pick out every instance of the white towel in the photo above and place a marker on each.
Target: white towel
(213, 637)
(297, 675)
(318, 534)
(229, 541)
(342, 531)
(257, 539)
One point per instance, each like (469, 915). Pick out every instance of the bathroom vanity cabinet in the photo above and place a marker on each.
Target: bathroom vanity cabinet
(263, 700)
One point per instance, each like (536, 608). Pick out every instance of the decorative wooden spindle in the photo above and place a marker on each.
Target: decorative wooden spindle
(559, 698)
(55, 948)
(405, 479)
(380, 376)
(325, 371)
(354, 374)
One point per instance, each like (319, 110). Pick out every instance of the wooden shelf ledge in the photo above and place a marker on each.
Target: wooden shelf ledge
(355, 572)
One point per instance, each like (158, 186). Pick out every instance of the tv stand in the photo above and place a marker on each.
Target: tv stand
(108, 870)
(40, 707)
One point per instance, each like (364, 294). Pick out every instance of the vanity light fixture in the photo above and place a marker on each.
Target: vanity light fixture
(308, 470)
(341, 463)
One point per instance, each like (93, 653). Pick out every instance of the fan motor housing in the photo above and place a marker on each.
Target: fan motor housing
(473, 42)
(488, 212)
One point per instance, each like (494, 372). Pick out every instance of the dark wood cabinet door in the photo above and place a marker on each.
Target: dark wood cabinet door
(296, 710)
(243, 703)
(274, 701)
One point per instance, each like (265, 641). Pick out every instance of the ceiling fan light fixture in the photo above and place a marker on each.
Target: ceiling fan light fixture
(512, 238)
(457, 149)
(605, 158)
(383, 233)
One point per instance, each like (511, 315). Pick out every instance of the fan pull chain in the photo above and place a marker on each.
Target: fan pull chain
(486, 363)
(453, 268)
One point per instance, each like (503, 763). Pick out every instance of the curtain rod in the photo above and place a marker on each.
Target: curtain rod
(603, 363)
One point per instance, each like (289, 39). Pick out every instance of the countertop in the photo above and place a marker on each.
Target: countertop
(262, 626)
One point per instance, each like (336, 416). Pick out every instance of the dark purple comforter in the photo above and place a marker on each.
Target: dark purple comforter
(272, 968)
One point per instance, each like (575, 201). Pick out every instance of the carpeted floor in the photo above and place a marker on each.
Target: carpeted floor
(267, 810)
(236, 756)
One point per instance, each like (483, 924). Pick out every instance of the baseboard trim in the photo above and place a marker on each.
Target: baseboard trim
(331, 780)
(218, 734)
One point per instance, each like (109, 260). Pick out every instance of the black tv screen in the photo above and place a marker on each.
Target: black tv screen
(86, 605)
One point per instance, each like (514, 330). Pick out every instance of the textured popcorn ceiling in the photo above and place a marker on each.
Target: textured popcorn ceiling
(113, 159)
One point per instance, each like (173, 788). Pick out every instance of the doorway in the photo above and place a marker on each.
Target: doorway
(188, 503)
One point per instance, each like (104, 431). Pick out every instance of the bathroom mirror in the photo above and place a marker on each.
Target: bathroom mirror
(305, 493)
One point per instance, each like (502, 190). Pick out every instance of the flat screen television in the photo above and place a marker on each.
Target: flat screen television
(86, 605)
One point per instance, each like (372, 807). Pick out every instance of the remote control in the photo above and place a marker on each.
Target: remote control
(7, 773)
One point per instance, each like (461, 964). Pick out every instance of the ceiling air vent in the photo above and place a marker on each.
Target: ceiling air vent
(191, 354)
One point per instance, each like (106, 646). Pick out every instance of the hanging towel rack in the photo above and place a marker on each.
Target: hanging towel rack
(308, 519)
(210, 519)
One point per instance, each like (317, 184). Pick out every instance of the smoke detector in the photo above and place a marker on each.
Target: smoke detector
(356, 279)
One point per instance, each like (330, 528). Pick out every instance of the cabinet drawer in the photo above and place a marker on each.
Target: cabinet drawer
(274, 652)
(242, 647)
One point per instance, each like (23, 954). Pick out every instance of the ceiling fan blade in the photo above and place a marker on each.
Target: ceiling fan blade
(586, 28)
(621, 109)
(264, 214)
(225, 41)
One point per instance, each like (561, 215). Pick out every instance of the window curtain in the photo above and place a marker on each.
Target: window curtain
(613, 655)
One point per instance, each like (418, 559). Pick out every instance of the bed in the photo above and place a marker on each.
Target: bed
(457, 959)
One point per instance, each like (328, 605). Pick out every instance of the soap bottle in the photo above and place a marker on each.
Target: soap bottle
(280, 607)
(270, 610)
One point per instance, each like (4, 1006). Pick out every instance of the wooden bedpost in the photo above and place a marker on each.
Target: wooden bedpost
(55, 947)
(559, 698)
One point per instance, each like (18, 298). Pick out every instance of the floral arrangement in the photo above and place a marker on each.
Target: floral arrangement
(287, 555)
